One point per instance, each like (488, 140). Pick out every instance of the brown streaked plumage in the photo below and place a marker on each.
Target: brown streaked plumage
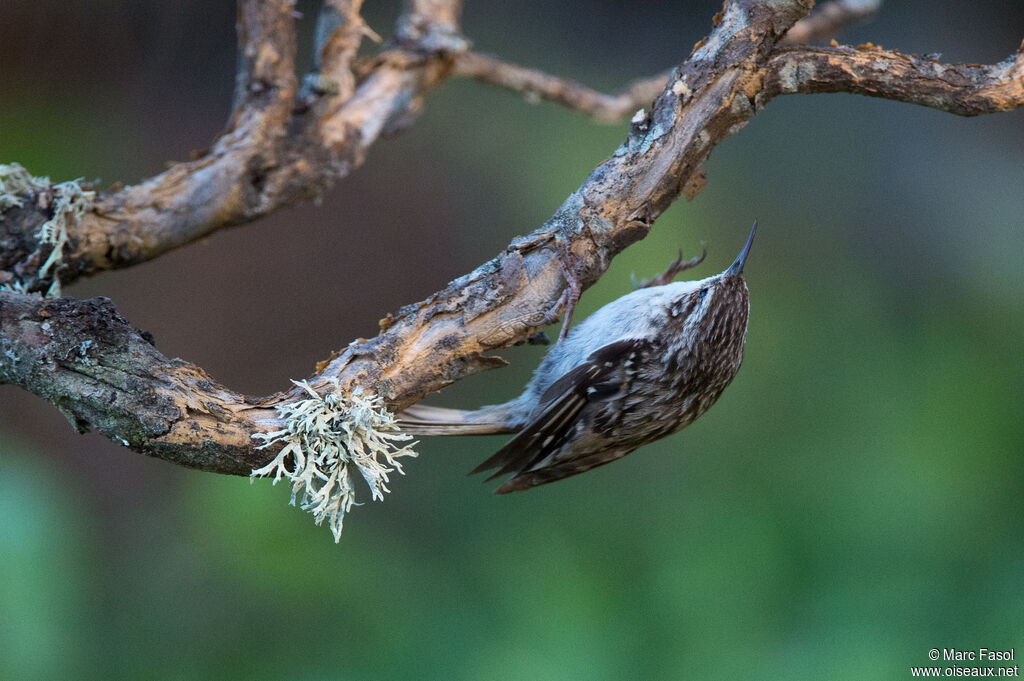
(638, 369)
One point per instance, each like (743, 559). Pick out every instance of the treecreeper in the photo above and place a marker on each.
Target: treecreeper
(640, 368)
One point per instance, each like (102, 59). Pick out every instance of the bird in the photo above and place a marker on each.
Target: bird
(638, 369)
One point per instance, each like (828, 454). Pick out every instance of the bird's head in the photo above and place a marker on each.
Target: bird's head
(713, 311)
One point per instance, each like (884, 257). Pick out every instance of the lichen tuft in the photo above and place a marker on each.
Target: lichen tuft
(69, 203)
(327, 441)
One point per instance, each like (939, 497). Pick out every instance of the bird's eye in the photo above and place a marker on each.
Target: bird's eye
(703, 292)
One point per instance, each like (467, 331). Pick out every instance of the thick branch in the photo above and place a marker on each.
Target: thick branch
(225, 186)
(281, 147)
(86, 360)
(962, 89)
(266, 55)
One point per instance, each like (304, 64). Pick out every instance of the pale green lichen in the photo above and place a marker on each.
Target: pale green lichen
(15, 287)
(70, 203)
(325, 438)
(16, 184)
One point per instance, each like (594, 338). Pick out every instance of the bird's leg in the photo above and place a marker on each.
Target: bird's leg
(674, 268)
(573, 289)
(570, 295)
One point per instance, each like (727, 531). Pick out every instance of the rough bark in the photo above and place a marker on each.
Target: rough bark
(102, 374)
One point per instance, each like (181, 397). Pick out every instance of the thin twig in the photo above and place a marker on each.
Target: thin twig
(569, 93)
(828, 19)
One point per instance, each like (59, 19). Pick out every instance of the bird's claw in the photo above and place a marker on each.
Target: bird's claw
(570, 294)
(677, 266)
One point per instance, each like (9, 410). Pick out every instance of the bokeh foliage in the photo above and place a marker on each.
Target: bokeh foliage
(855, 499)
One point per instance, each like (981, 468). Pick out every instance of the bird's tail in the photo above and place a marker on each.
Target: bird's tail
(420, 419)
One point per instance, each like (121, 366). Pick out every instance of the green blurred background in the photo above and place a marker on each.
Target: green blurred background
(855, 498)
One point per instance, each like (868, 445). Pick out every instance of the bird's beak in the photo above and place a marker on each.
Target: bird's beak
(737, 267)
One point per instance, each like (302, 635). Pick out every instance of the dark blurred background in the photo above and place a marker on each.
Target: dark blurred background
(854, 499)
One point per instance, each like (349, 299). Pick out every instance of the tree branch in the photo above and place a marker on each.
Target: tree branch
(430, 344)
(85, 359)
(825, 21)
(962, 89)
(281, 146)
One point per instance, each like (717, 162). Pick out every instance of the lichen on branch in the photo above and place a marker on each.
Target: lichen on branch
(329, 439)
(66, 202)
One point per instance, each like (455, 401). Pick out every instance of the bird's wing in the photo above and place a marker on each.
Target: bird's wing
(600, 378)
(563, 469)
